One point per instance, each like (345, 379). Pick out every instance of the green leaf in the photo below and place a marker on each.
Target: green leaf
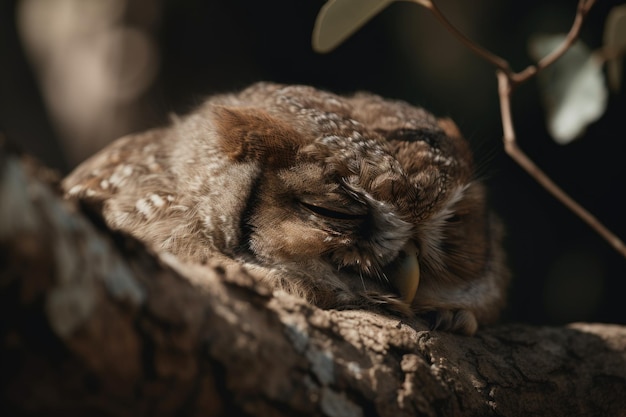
(338, 19)
(573, 88)
(615, 44)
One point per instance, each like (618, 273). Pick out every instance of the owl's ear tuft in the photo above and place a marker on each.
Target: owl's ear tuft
(452, 131)
(248, 134)
(449, 127)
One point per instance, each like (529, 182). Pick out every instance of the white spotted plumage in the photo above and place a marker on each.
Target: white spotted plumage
(317, 194)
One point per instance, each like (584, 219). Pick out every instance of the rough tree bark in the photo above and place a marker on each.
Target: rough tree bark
(94, 324)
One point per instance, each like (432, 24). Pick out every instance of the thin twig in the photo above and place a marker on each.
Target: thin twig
(488, 56)
(504, 92)
(511, 148)
(507, 80)
(583, 8)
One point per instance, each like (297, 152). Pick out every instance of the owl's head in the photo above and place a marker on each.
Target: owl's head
(364, 194)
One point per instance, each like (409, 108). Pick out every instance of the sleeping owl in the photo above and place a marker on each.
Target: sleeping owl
(348, 202)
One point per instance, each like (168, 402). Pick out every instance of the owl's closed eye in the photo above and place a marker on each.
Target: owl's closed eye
(347, 201)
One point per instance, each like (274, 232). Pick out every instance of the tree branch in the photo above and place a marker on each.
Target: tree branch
(94, 324)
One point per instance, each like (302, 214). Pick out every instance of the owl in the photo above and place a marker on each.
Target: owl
(349, 202)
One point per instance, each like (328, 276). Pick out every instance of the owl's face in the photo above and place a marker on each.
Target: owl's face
(308, 215)
(343, 200)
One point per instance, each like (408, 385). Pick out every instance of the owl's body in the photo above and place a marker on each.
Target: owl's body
(343, 200)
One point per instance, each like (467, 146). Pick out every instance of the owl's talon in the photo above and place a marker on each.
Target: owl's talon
(457, 321)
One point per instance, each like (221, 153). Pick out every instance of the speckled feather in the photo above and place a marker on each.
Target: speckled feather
(316, 194)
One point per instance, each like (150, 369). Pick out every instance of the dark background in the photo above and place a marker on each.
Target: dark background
(563, 271)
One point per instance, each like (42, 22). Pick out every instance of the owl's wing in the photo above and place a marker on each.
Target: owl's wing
(104, 174)
(184, 188)
(128, 185)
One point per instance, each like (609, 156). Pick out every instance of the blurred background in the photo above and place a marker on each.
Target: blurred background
(76, 74)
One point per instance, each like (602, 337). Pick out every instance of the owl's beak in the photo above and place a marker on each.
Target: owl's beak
(404, 273)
